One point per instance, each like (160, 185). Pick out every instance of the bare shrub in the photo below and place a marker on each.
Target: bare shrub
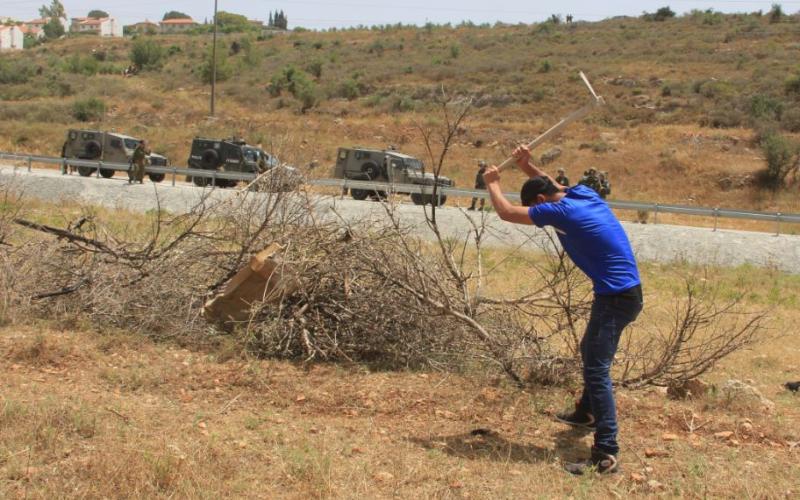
(703, 332)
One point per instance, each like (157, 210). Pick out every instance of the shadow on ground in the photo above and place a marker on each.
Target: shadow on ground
(488, 444)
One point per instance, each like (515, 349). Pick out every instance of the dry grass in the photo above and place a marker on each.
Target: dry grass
(161, 421)
(89, 411)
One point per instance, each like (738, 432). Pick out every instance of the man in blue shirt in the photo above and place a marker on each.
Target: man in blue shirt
(596, 242)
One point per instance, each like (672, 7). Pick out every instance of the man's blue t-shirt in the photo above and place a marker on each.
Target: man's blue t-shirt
(592, 237)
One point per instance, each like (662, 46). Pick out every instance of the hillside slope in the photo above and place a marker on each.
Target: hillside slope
(684, 96)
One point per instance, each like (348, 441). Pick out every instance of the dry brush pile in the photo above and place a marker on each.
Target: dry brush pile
(369, 293)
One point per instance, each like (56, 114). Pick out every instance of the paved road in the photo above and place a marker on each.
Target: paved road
(662, 243)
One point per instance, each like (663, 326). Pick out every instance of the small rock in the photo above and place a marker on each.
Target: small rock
(383, 476)
(490, 394)
(445, 414)
(723, 434)
(655, 453)
(551, 155)
(737, 391)
(688, 389)
(654, 485)
(669, 437)
(637, 478)
(747, 428)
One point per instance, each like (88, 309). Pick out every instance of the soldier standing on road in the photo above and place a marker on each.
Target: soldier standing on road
(596, 242)
(562, 178)
(605, 185)
(136, 172)
(479, 184)
(591, 180)
(69, 168)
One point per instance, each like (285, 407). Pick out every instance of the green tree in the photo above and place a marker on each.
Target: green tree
(53, 28)
(793, 84)
(278, 20)
(97, 14)
(56, 9)
(174, 14)
(87, 110)
(29, 41)
(660, 15)
(224, 68)
(146, 54)
(776, 14)
(780, 156)
(232, 23)
(298, 84)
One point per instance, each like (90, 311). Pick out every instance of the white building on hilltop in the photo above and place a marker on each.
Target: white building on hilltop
(107, 26)
(181, 25)
(37, 25)
(11, 38)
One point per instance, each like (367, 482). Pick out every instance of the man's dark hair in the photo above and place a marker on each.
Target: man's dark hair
(534, 187)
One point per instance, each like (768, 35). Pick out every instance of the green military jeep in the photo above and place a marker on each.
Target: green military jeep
(388, 166)
(235, 155)
(108, 147)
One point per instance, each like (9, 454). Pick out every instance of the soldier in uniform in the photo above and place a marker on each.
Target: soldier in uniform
(479, 184)
(136, 172)
(591, 180)
(562, 178)
(605, 185)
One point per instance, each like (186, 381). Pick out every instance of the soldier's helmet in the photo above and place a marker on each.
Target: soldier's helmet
(561, 171)
(481, 163)
(592, 171)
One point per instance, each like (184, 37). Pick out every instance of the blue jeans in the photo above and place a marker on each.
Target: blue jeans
(610, 315)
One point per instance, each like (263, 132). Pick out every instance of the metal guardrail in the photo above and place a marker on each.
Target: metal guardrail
(657, 208)
(124, 167)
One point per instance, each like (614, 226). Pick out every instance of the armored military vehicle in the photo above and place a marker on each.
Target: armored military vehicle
(109, 147)
(386, 166)
(235, 155)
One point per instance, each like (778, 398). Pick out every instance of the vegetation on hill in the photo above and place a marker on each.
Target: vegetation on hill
(174, 14)
(689, 97)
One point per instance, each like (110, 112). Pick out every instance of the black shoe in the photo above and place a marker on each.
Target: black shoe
(601, 463)
(471, 208)
(577, 419)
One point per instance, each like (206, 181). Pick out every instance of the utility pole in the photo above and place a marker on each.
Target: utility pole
(214, 62)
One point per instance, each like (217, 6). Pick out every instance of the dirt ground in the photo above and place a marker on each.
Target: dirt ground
(106, 414)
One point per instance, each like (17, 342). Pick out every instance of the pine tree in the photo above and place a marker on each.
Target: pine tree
(270, 23)
(56, 9)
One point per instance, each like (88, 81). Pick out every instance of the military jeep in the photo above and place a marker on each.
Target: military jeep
(109, 147)
(388, 166)
(235, 155)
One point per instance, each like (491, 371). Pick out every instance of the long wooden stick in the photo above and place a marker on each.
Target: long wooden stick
(596, 102)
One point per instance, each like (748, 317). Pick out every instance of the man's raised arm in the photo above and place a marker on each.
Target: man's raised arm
(523, 156)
